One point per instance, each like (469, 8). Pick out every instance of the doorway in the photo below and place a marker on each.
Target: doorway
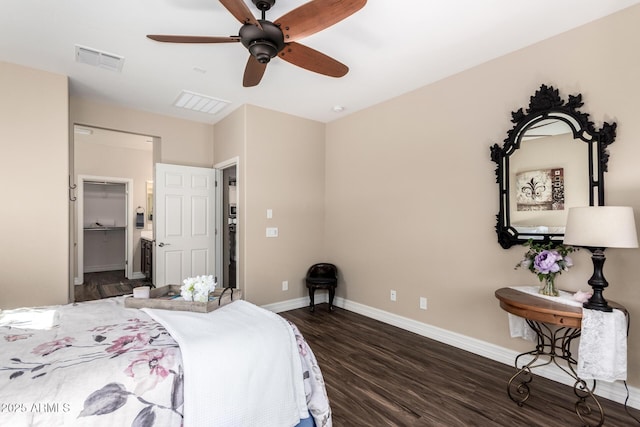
(104, 233)
(229, 235)
(121, 159)
(228, 223)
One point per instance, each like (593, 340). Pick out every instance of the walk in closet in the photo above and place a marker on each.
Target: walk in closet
(104, 226)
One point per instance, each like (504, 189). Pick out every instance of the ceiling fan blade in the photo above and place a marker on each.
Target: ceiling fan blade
(312, 60)
(239, 9)
(253, 72)
(193, 39)
(315, 16)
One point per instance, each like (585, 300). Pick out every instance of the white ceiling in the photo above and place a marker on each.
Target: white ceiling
(391, 47)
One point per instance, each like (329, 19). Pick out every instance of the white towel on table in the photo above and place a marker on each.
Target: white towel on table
(518, 326)
(602, 354)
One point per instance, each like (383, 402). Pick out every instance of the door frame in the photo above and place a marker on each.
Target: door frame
(220, 167)
(128, 182)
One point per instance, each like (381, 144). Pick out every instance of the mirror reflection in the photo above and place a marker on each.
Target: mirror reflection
(550, 174)
(150, 201)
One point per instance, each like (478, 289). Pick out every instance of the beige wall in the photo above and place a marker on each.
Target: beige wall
(283, 171)
(181, 142)
(105, 153)
(411, 191)
(280, 167)
(230, 136)
(34, 164)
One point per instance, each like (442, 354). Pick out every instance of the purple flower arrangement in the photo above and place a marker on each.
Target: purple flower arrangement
(546, 260)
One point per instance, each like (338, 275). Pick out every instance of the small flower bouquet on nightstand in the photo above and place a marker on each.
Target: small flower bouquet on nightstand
(546, 260)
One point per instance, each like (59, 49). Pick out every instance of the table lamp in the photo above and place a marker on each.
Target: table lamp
(597, 228)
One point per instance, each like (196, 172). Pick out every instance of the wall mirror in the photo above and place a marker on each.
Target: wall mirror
(552, 159)
(149, 200)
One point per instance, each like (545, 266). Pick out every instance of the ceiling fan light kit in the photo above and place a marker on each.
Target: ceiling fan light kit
(263, 43)
(265, 39)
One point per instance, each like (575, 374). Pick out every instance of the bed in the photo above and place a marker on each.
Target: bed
(98, 363)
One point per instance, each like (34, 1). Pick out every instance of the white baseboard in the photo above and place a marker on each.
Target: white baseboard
(612, 391)
(292, 304)
(106, 267)
(137, 275)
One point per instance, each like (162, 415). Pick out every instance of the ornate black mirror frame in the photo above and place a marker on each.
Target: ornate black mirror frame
(546, 104)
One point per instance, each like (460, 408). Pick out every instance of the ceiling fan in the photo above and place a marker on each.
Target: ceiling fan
(265, 39)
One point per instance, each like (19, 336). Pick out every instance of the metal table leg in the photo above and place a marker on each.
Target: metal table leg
(554, 346)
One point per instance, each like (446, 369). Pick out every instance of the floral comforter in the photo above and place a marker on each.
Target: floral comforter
(97, 363)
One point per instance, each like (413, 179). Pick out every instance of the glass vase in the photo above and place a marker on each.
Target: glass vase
(549, 288)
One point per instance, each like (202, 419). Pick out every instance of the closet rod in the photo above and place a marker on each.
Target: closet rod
(104, 183)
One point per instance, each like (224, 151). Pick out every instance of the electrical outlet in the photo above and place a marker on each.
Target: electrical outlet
(423, 303)
(393, 295)
(285, 285)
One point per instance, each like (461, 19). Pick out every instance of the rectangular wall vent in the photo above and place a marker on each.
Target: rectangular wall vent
(197, 102)
(97, 58)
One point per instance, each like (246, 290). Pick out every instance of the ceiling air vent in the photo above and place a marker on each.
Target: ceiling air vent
(97, 58)
(197, 102)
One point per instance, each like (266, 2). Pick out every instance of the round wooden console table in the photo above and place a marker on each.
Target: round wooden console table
(556, 325)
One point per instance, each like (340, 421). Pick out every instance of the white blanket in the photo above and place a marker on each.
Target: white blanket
(241, 366)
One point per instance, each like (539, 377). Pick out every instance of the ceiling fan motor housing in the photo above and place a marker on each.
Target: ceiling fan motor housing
(264, 4)
(263, 43)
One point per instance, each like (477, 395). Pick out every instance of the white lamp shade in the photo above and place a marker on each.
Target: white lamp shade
(601, 227)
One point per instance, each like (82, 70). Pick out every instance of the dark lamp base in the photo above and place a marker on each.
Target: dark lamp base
(597, 306)
(597, 282)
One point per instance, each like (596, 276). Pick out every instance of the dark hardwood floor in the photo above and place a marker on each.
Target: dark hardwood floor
(89, 289)
(380, 375)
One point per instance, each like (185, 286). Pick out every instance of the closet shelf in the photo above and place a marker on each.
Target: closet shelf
(103, 228)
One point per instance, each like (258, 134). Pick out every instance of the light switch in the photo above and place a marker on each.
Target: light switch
(269, 213)
(272, 231)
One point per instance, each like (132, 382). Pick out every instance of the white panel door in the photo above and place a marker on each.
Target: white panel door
(184, 222)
